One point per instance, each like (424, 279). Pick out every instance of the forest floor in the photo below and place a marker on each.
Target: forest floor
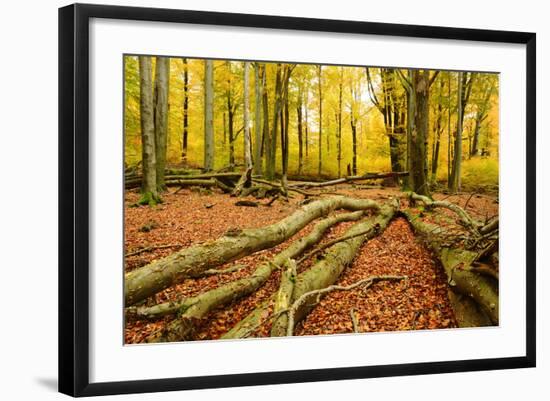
(193, 216)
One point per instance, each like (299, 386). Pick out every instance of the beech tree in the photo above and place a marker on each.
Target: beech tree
(149, 182)
(208, 115)
(162, 73)
(185, 131)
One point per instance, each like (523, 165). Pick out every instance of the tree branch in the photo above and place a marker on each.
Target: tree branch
(367, 282)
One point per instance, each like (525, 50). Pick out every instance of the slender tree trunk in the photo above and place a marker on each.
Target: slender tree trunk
(480, 116)
(257, 121)
(149, 182)
(449, 131)
(208, 115)
(307, 123)
(394, 126)
(162, 79)
(266, 132)
(437, 132)
(224, 129)
(320, 88)
(300, 133)
(276, 117)
(354, 147)
(284, 128)
(185, 111)
(246, 118)
(339, 119)
(457, 162)
(230, 118)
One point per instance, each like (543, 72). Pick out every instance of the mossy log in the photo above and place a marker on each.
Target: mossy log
(322, 274)
(457, 264)
(145, 281)
(283, 298)
(195, 308)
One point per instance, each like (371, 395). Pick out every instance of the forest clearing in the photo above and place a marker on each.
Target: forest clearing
(273, 199)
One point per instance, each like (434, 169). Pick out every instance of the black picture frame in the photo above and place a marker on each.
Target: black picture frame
(74, 194)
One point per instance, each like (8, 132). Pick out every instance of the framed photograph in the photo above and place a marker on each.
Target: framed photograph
(251, 199)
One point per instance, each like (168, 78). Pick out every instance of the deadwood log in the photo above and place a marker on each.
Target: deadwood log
(192, 309)
(145, 281)
(245, 181)
(324, 273)
(343, 180)
(460, 269)
(201, 179)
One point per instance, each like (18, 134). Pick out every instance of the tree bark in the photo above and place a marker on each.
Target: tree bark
(257, 120)
(158, 275)
(320, 89)
(149, 181)
(230, 116)
(419, 133)
(438, 129)
(287, 70)
(339, 119)
(162, 79)
(270, 172)
(185, 133)
(300, 132)
(208, 115)
(454, 184)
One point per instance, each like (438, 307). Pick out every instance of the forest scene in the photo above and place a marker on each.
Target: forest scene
(271, 199)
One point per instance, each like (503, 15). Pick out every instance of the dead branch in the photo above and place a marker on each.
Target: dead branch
(317, 294)
(462, 214)
(367, 176)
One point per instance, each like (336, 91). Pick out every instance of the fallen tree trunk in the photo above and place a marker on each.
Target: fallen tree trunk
(283, 298)
(192, 309)
(343, 180)
(457, 264)
(324, 273)
(145, 281)
(245, 181)
(174, 179)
